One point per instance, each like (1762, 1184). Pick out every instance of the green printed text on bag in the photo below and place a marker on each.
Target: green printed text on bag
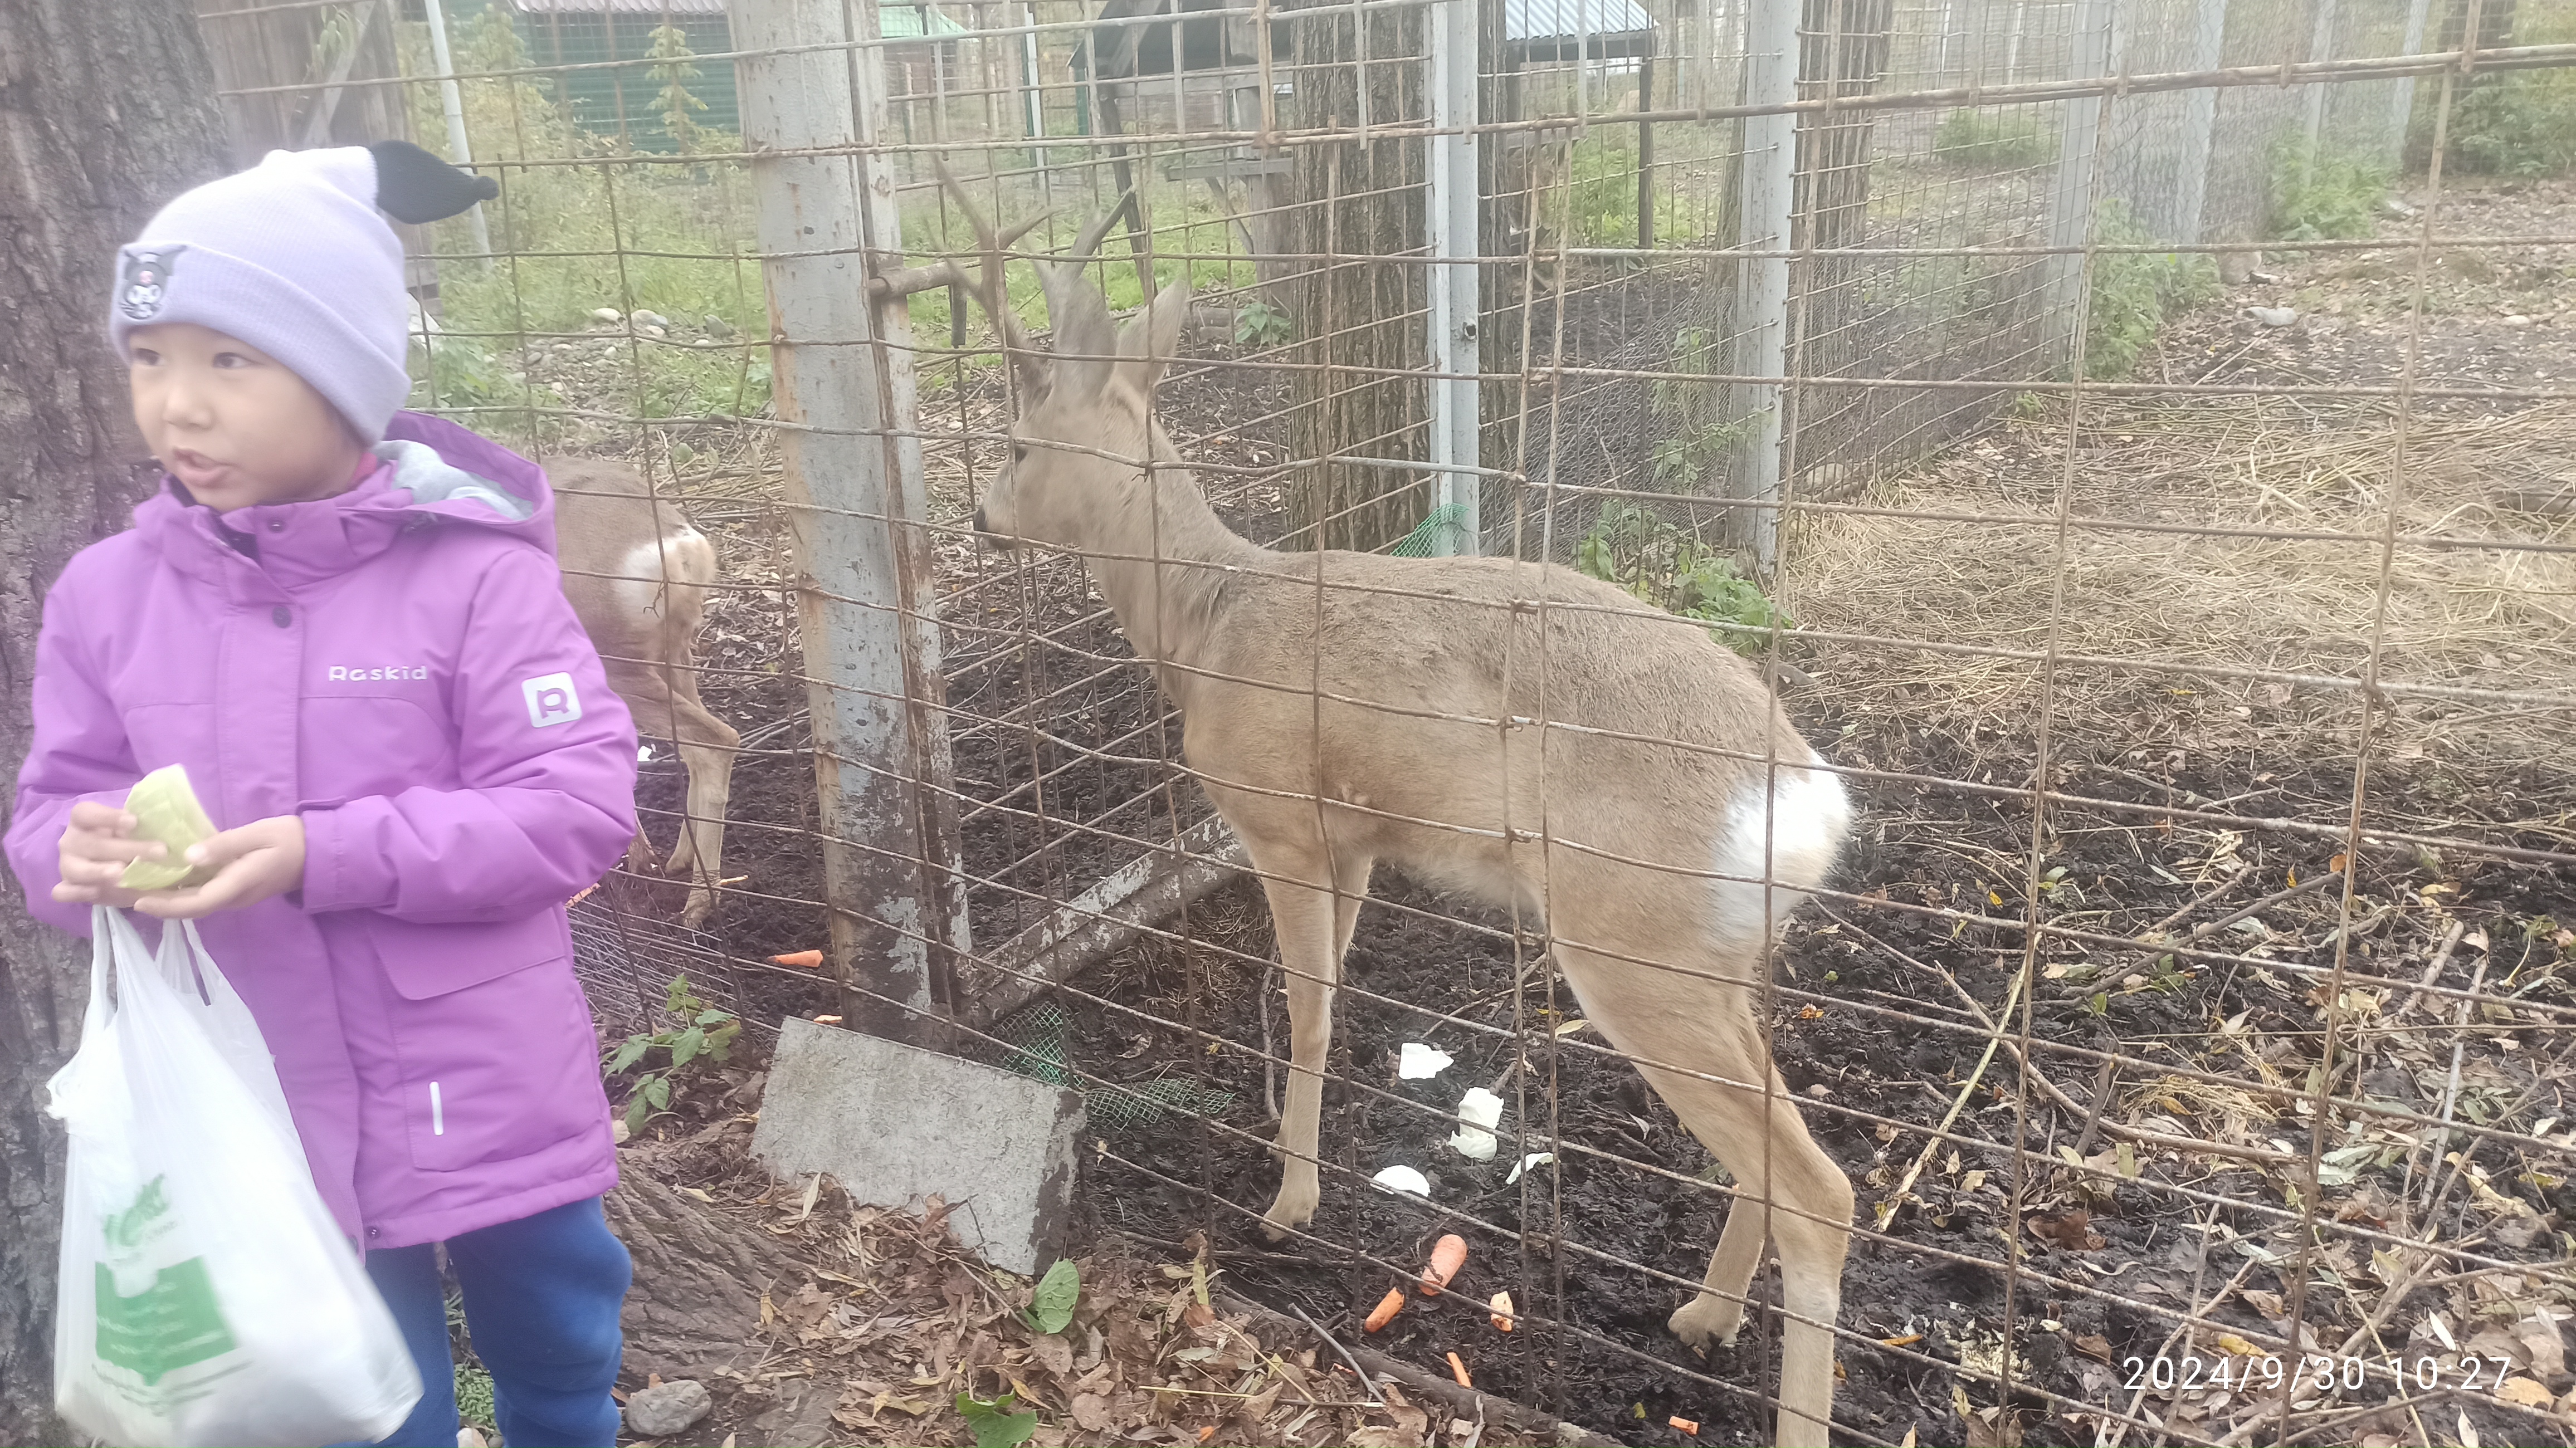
(169, 1325)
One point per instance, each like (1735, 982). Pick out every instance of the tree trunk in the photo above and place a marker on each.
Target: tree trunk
(107, 109)
(699, 1278)
(1358, 200)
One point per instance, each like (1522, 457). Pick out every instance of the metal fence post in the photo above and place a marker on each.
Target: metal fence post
(2321, 46)
(2070, 203)
(2401, 106)
(2200, 120)
(842, 383)
(451, 102)
(1767, 191)
(1456, 279)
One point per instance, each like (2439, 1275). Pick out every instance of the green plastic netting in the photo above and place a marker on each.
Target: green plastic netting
(1034, 1042)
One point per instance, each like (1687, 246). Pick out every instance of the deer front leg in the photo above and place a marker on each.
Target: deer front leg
(1313, 929)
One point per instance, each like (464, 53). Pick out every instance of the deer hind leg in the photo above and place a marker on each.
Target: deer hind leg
(1313, 922)
(1788, 1189)
(707, 745)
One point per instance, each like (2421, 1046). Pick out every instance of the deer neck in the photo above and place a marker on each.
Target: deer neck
(1163, 559)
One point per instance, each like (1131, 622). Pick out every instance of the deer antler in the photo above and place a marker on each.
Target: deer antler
(991, 286)
(1076, 309)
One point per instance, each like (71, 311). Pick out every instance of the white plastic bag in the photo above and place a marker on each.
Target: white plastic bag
(207, 1296)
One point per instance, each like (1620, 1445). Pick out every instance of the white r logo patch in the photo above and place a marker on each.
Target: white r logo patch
(551, 700)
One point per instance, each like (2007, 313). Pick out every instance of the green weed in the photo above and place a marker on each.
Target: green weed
(2134, 292)
(2324, 195)
(2510, 123)
(696, 1031)
(1259, 324)
(1664, 565)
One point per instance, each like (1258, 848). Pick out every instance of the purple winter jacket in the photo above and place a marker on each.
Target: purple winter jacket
(398, 666)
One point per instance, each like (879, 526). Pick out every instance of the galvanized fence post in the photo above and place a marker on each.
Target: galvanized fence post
(843, 387)
(2070, 202)
(2321, 47)
(1768, 192)
(1456, 281)
(2401, 102)
(2200, 120)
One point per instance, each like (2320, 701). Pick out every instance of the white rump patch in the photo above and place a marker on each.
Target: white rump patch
(1808, 814)
(638, 584)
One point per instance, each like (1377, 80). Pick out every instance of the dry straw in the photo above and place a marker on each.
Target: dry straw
(2496, 617)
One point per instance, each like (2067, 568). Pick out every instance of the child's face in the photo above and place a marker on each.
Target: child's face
(231, 422)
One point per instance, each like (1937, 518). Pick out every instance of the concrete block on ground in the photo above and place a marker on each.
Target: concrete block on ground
(894, 1124)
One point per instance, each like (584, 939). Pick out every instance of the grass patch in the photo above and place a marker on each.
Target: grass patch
(1994, 138)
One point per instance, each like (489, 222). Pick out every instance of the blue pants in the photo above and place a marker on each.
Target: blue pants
(541, 1299)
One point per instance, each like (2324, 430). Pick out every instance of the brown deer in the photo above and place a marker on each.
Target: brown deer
(637, 575)
(1517, 732)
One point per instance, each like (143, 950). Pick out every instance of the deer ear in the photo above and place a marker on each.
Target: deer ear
(1153, 338)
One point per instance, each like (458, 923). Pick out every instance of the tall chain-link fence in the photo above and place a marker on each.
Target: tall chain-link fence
(2127, 439)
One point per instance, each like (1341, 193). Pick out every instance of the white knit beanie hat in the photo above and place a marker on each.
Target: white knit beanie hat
(293, 257)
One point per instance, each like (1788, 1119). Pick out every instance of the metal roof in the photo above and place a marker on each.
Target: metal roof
(674, 8)
(896, 19)
(1544, 20)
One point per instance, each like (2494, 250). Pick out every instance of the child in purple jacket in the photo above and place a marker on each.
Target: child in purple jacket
(347, 622)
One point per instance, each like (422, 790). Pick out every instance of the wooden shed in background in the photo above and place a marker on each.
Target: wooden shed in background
(296, 77)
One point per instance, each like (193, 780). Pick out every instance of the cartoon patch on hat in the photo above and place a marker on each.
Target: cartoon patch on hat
(146, 282)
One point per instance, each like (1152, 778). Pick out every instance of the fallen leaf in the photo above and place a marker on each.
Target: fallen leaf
(2070, 1230)
(2230, 1342)
(2003, 1432)
(2267, 1303)
(2548, 1352)
(1091, 1412)
(2526, 1392)
(1054, 1354)
(2094, 1345)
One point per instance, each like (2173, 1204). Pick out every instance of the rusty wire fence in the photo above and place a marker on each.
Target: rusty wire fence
(2131, 436)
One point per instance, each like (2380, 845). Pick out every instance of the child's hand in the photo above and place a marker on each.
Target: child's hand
(94, 853)
(262, 859)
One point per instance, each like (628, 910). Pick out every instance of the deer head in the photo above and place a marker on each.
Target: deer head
(1085, 430)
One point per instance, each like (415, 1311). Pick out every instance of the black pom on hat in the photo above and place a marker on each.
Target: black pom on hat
(413, 185)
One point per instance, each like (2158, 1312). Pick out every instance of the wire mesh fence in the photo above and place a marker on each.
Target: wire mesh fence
(2128, 438)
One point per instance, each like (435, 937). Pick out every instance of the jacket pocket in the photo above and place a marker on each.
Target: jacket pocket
(498, 1055)
(428, 961)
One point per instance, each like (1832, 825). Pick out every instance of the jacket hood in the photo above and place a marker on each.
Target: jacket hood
(433, 474)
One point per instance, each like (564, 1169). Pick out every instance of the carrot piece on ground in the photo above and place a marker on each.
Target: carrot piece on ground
(1447, 1256)
(1207, 1432)
(1686, 1425)
(1387, 1307)
(1458, 1370)
(799, 957)
(1502, 1306)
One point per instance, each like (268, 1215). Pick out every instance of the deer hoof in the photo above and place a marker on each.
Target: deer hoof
(1295, 1208)
(1706, 1319)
